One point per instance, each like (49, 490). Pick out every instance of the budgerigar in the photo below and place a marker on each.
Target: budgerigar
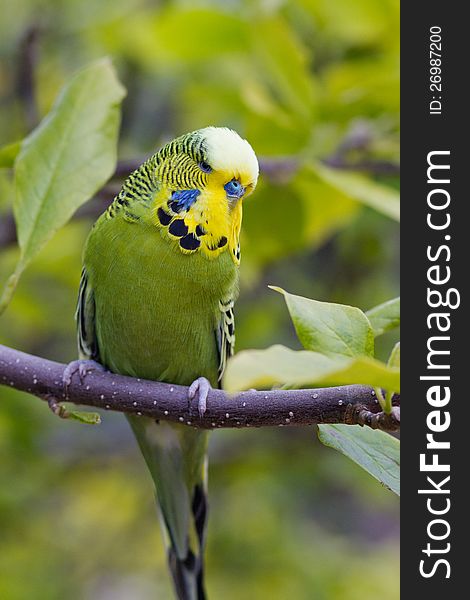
(159, 281)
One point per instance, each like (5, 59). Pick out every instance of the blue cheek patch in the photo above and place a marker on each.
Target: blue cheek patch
(183, 199)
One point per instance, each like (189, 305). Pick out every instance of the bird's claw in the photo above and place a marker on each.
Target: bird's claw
(82, 367)
(200, 387)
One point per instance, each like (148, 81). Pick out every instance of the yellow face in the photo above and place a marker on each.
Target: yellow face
(200, 203)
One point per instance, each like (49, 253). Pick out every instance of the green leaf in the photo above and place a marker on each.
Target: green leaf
(167, 36)
(284, 64)
(365, 371)
(382, 198)
(326, 208)
(218, 31)
(385, 316)
(89, 418)
(328, 328)
(376, 452)
(316, 211)
(394, 360)
(8, 154)
(65, 160)
(281, 366)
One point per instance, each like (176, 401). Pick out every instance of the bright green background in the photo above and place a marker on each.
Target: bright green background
(289, 518)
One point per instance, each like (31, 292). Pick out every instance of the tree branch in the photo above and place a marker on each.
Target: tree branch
(359, 139)
(372, 167)
(352, 404)
(25, 76)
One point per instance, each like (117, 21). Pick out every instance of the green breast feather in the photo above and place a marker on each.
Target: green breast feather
(158, 314)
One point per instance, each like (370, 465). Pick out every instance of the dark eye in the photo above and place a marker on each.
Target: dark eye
(205, 167)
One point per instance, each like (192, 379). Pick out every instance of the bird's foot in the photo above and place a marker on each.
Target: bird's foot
(200, 387)
(82, 367)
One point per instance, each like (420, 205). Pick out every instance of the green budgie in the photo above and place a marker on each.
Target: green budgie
(156, 299)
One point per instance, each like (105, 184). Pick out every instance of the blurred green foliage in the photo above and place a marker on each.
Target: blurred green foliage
(302, 79)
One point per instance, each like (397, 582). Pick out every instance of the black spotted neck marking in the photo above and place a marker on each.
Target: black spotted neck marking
(177, 227)
(236, 252)
(171, 216)
(190, 242)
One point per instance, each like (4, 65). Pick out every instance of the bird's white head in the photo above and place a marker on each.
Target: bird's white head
(230, 154)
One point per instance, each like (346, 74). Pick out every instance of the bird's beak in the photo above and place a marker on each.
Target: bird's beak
(234, 198)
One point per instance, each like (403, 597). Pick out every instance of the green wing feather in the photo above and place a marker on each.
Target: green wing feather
(225, 334)
(85, 316)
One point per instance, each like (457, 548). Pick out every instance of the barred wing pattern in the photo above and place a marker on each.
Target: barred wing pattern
(225, 334)
(85, 318)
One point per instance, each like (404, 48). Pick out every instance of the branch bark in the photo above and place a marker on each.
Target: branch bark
(25, 76)
(352, 404)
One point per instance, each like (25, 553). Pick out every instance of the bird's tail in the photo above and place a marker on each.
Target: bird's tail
(176, 458)
(188, 573)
